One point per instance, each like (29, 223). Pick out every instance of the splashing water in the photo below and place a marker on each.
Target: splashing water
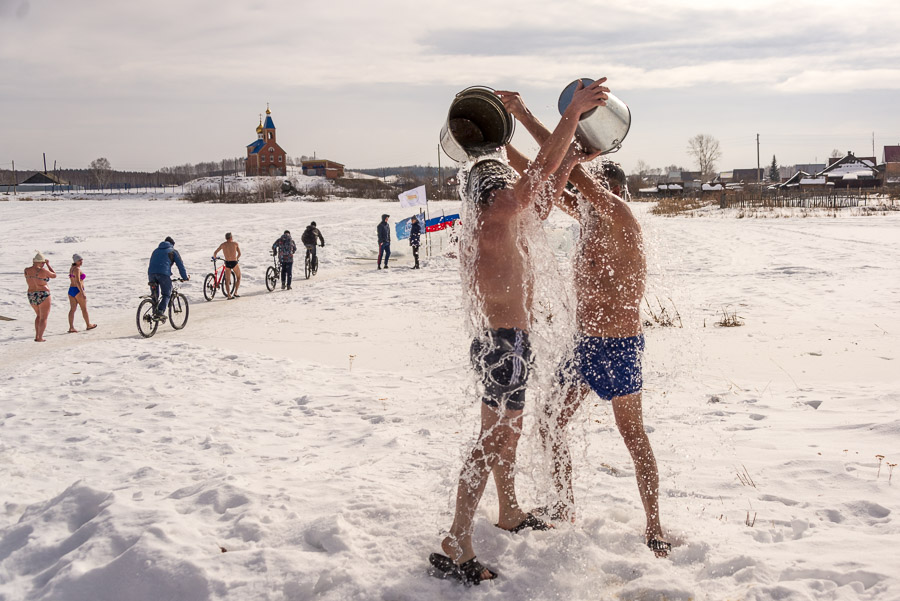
(548, 299)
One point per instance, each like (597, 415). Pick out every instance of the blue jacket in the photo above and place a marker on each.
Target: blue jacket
(162, 258)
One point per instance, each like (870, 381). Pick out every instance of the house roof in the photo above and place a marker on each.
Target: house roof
(747, 175)
(323, 162)
(256, 146)
(44, 178)
(892, 154)
(795, 179)
(850, 165)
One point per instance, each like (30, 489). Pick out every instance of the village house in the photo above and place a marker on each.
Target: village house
(891, 165)
(851, 172)
(323, 167)
(265, 156)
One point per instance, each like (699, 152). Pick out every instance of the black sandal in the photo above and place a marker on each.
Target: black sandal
(659, 546)
(530, 522)
(469, 572)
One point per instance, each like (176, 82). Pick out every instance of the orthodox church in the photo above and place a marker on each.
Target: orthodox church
(265, 156)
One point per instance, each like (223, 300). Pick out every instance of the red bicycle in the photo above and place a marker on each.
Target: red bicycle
(217, 279)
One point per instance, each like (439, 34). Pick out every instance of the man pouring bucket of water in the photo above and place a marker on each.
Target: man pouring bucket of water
(476, 125)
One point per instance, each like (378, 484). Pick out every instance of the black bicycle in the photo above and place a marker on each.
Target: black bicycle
(273, 273)
(311, 264)
(148, 322)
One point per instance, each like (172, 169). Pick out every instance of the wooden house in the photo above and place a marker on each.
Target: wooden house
(851, 172)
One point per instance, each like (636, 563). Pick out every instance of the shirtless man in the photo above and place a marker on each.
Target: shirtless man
(232, 252)
(609, 271)
(498, 280)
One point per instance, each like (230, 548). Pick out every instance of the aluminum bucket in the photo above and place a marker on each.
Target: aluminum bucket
(602, 128)
(477, 124)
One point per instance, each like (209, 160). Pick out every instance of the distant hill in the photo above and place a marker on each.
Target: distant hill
(410, 172)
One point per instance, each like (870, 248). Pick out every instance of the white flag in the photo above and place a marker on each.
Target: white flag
(412, 198)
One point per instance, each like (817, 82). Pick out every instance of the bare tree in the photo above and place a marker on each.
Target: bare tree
(836, 154)
(102, 171)
(705, 151)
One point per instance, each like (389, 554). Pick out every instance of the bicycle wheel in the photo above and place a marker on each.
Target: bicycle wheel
(315, 265)
(226, 289)
(209, 286)
(178, 311)
(271, 278)
(307, 268)
(146, 325)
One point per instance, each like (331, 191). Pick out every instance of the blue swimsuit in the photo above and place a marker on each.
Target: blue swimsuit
(610, 366)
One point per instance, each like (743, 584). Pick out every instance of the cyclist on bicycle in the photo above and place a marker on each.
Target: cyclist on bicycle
(160, 273)
(308, 238)
(232, 252)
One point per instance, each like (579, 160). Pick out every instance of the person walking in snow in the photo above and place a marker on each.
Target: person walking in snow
(284, 248)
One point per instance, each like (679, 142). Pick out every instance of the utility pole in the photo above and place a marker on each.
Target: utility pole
(873, 147)
(15, 178)
(758, 172)
(45, 163)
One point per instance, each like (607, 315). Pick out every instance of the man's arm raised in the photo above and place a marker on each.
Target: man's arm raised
(602, 198)
(554, 149)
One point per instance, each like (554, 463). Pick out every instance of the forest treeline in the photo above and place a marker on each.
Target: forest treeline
(102, 174)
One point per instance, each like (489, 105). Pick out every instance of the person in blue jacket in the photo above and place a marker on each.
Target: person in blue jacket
(415, 230)
(384, 240)
(160, 273)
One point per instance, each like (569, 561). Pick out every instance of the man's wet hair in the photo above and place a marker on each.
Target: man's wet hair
(613, 174)
(486, 176)
(228, 236)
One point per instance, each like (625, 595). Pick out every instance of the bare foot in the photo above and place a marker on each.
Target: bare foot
(73, 331)
(39, 340)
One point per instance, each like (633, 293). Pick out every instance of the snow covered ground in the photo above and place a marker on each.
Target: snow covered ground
(305, 444)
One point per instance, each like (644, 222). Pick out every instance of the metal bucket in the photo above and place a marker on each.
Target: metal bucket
(602, 128)
(477, 124)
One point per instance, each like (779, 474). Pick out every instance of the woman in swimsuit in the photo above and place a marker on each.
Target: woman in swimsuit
(76, 294)
(38, 277)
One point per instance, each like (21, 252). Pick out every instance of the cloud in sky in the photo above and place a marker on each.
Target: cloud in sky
(369, 83)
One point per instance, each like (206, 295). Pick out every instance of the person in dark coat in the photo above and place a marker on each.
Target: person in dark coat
(384, 241)
(310, 236)
(415, 230)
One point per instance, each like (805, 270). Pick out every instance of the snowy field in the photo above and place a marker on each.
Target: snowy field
(305, 444)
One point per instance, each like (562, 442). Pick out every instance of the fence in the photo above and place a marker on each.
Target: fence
(831, 198)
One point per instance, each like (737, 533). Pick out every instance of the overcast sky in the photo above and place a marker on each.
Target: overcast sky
(368, 84)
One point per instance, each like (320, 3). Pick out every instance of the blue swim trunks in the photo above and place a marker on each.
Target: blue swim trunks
(610, 366)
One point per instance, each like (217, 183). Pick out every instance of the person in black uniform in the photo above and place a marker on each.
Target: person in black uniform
(415, 231)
